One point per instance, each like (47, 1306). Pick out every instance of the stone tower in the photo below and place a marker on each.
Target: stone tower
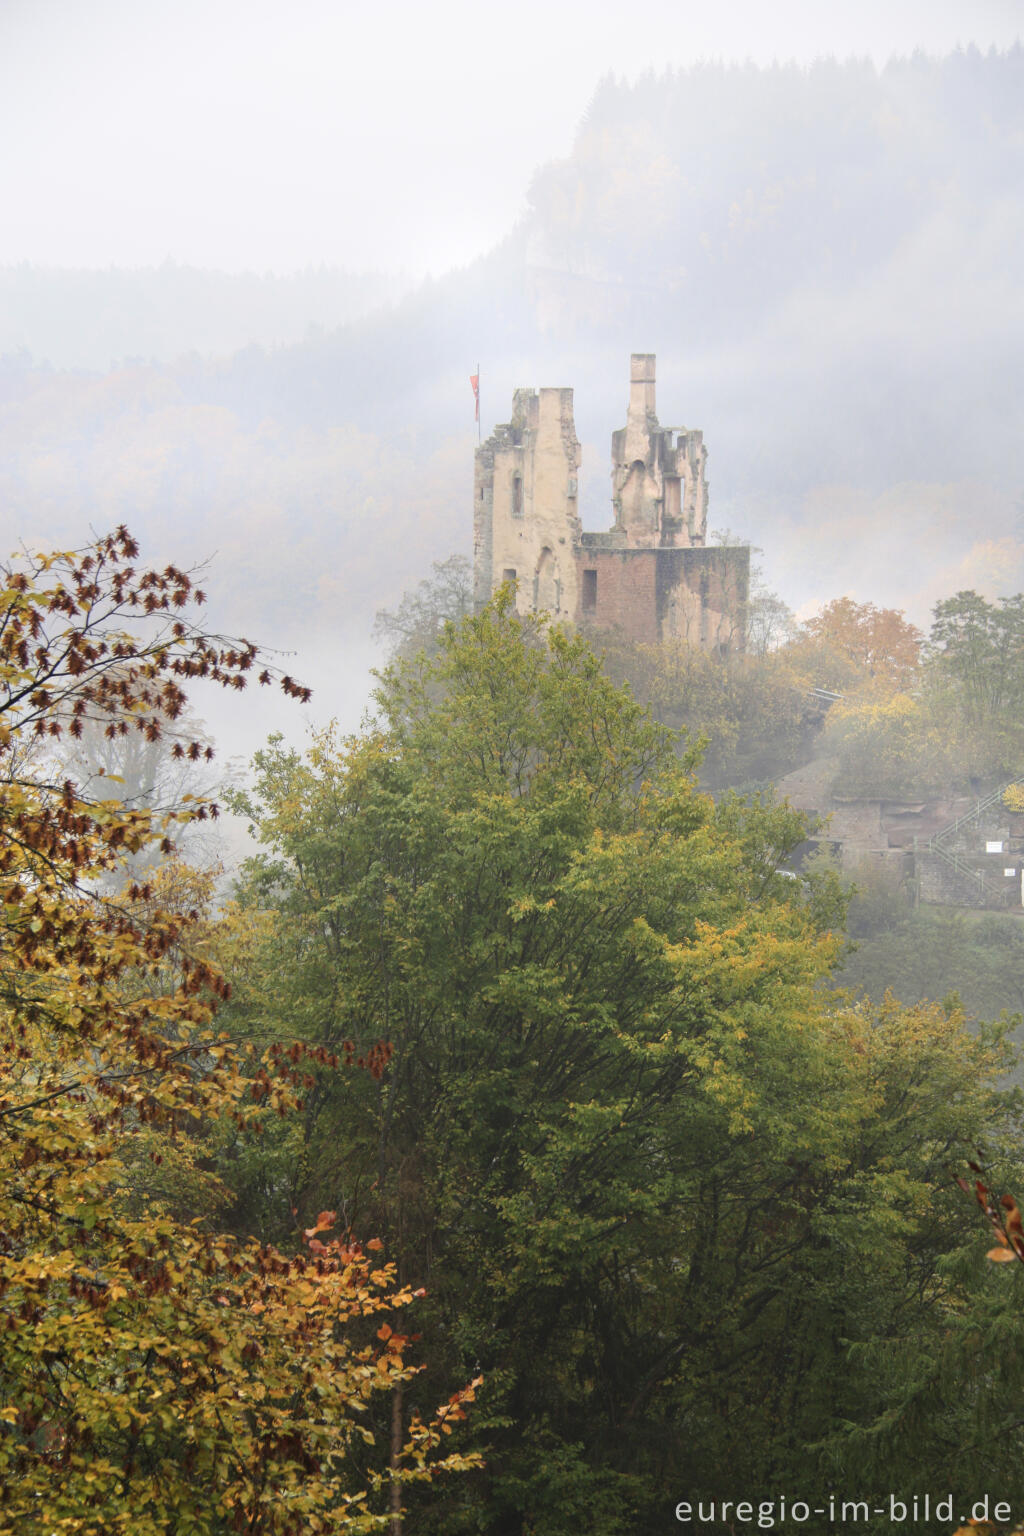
(659, 491)
(526, 526)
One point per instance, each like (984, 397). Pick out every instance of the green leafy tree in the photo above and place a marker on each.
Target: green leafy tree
(976, 654)
(753, 714)
(416, 624)
(641, 1156)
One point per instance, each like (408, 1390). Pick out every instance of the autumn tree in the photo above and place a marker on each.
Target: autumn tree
(865, 643)
(155, 1374)
(659, 1181)
(951, 724)
(145, 773)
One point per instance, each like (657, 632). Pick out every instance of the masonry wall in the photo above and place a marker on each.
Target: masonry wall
(625, 592)
(941, 882)
(654, 595)
(943, 844)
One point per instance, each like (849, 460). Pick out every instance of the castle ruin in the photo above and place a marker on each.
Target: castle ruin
(652, 575)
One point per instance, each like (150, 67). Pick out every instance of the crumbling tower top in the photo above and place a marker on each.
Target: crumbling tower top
(659, 490)
(641, 380)
(640, 415)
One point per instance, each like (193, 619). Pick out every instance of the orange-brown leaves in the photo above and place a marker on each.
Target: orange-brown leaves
(1004, 1215)
(881, 643)
(83, 635)
(324, 1222)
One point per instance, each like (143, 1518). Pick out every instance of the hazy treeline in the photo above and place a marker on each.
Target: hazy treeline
(919, 715)
(922, 716)
(822, 258)
(97, 318)
(753, 184)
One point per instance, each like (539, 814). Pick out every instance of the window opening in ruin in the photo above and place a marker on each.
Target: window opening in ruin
(508, 574)
(589, 591)
(517, 495)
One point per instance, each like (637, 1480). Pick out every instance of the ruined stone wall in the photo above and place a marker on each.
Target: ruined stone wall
(618, 590)
(651, 574)
(960, 851)
(483, 524)
(698, 596)
(702, 596)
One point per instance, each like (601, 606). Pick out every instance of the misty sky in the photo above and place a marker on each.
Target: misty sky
(245, 134)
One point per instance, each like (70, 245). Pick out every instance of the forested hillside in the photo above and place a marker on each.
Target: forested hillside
(823, 259)
(513, 1082)
(915, 718)
(97, 318)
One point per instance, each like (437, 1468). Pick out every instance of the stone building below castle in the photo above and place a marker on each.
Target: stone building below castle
(652, 574)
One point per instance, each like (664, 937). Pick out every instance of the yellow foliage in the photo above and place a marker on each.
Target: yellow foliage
(153, 1376)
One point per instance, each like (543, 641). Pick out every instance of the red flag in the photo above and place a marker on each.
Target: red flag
(474, 379)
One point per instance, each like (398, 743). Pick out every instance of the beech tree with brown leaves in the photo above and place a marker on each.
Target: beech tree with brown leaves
(866, 643)
(154, 1375)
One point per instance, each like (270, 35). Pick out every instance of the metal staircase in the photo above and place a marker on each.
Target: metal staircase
(997, 895)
